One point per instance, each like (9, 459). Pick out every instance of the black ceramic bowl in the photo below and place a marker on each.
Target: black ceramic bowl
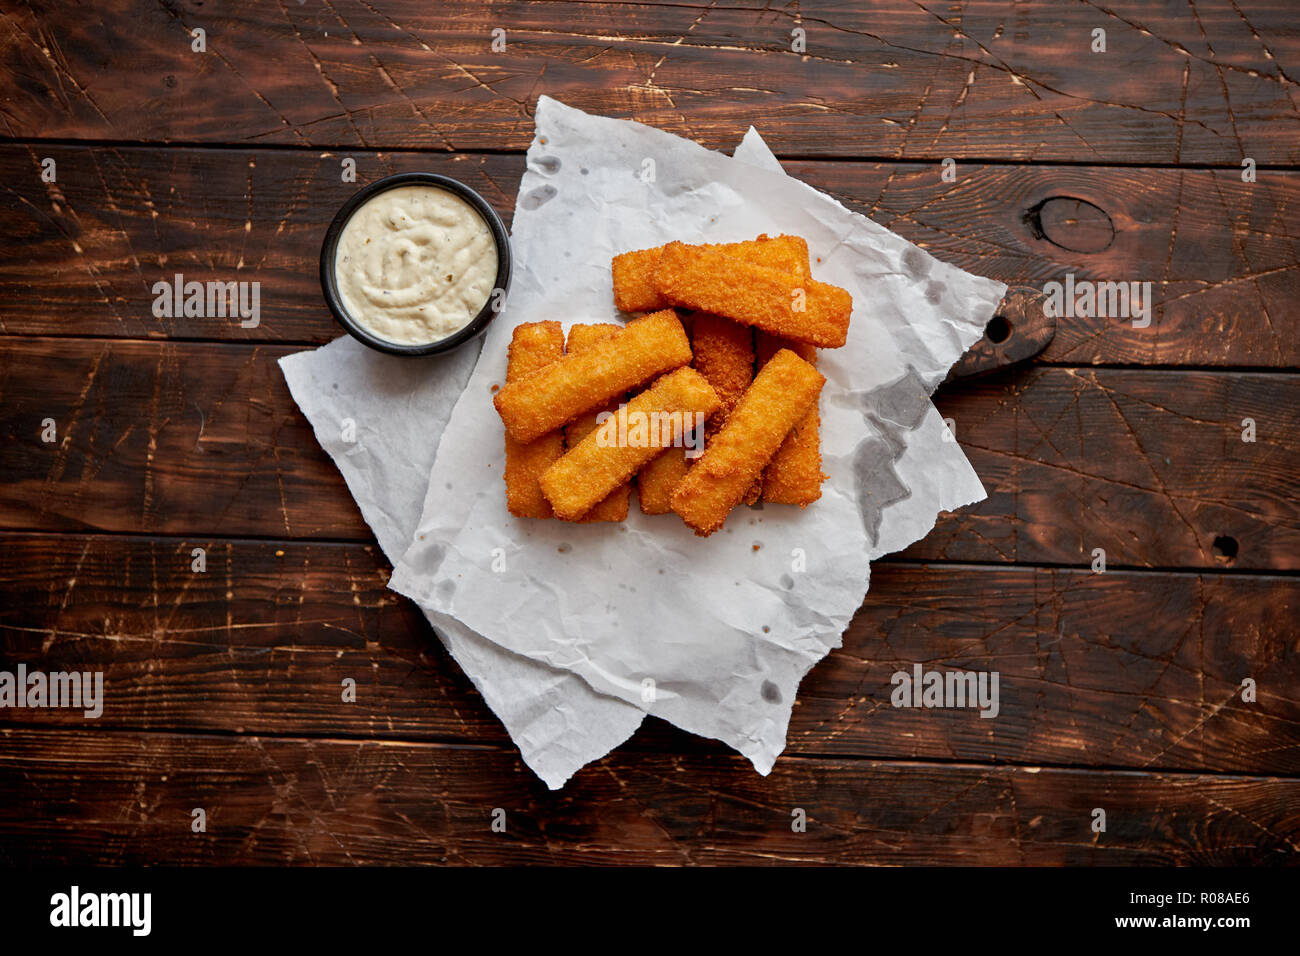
(329, 285)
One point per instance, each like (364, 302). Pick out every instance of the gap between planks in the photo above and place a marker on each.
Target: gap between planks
(954, 386)
(630, 747)
(888, 560)
(921, 160)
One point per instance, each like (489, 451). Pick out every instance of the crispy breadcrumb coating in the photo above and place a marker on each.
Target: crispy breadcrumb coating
(563, 390)
(657, 480)
(724, 354)
(783, 391)
(775, 300)
(634, 281)
(634, 272)
(533, 345)
(794, 475)
(614, 506)
(603, 460)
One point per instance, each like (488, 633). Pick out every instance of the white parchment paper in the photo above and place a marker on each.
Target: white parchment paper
(574, 632)
(393, 410)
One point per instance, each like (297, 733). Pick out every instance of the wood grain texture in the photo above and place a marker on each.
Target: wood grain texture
(82, 255)
(1212, 84)
(1120, 669)
(1220, 254)
(125, 798)
(198, 438)
(1119, 690)
(162, 437)
(1151, 467)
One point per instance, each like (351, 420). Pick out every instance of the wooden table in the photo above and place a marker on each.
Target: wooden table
(1120, 690)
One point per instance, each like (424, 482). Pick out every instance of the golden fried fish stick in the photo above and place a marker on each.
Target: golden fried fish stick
(724, 354)
(634, 281)
(787, 253)
(794, 475)
(614, 506)
(559, 392)
(634, 272)
(713, 280)
(611, 454)
(533, 345)
(783, 391)
(657, 480)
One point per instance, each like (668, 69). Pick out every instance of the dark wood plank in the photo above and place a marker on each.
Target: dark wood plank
(911, 80)
(125, 798)
(83, 254)
(1151, 467)
(259, 642)
(1121, 669)
(178, 438)
(1223, 267)
(163, 437)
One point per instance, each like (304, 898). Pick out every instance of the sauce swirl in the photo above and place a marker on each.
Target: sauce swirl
(415, 264)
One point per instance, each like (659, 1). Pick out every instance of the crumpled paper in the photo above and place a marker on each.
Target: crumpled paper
(574, 632)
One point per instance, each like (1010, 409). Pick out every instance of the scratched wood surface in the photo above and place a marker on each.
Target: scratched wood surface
(269, 658)
(122, 798)
(204, 437)
(1119, 690)
(1199, 84)
(1216, 250)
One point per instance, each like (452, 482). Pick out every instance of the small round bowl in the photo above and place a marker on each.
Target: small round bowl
(495, 301)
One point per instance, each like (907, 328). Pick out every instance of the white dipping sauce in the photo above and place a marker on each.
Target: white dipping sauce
(415, 264)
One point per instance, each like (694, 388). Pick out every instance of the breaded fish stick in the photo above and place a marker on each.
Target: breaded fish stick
(711, 280)
(724, 354)
(634, 280)
(783, 391)
(656, 482)
(794, 475)
(607, 457)
(634, 272)
(559, 392)
(614, 506)
(533, 345)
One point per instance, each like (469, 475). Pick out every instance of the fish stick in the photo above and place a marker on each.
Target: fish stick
(634, 272)
(533, 345)
(657, 480)
(609, 456)
(634, 280)
(563, 390)
(712, 280)
(724, 354)
(614, 506)
(783, 391)
(794, 475)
